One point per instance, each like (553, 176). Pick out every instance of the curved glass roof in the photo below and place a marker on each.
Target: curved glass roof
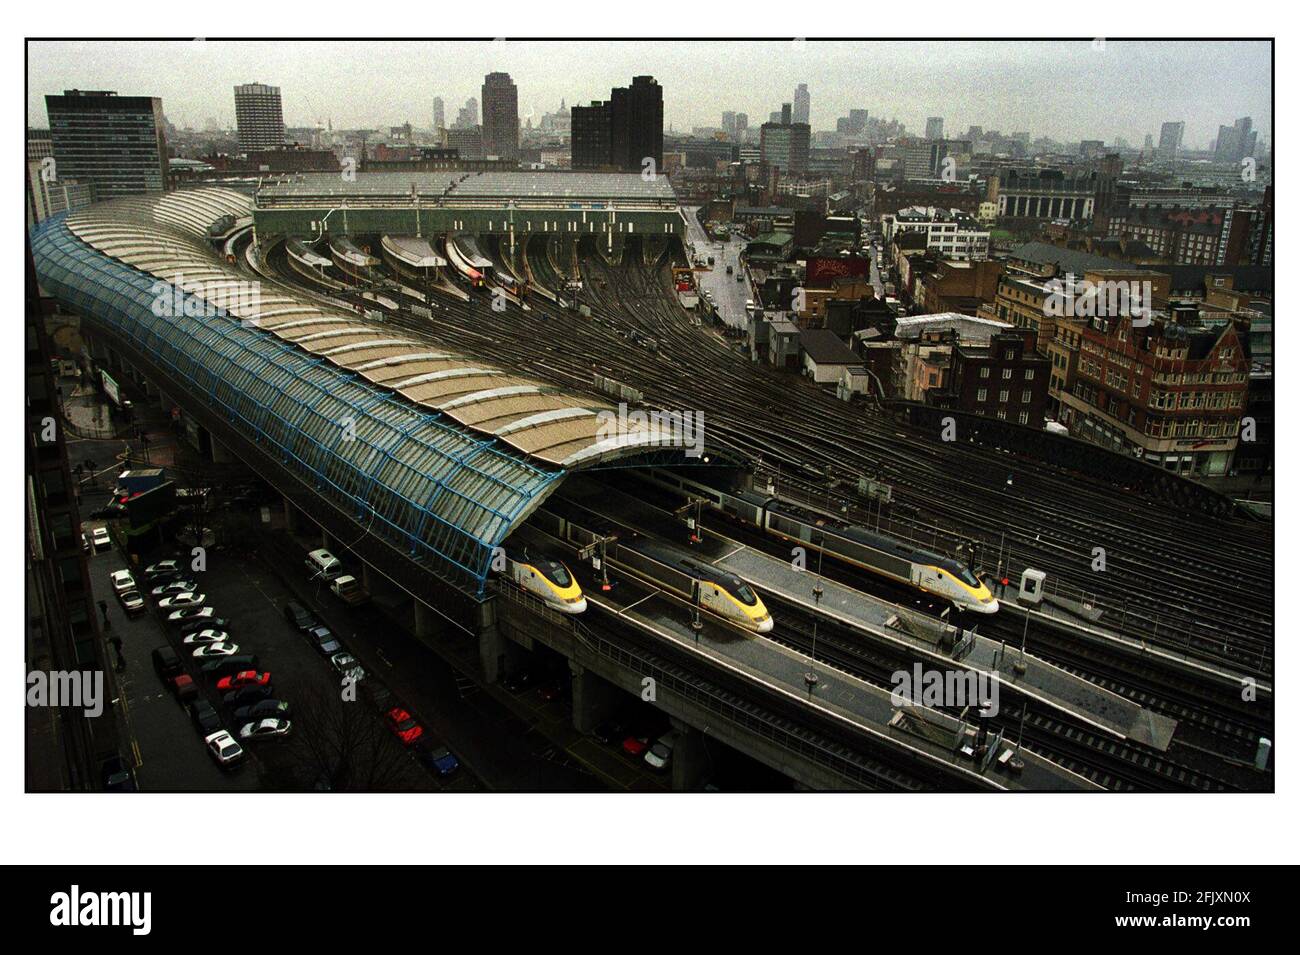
(440, 455)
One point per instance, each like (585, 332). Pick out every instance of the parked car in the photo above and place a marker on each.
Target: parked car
(163, 568)
(636, 745)
(172, 587)
(404, 725)
(206, 636)
(210, 650)
(185, 614)
(658, 755)
(100, 539)
(300, 616)
(117, 775)
(438, 758)
(224, 666)
(205, 717)
(610, 731)
(323, 640)
(204, 623)
(245, 695)
(177, 601)
(321, 563)
(223, 748)
(271, 728)
(243, 678)
(517, 681)
(346, 666)
(262, 709)
(349, 590)
(550, 692)
(184, 688)
(166, 663)
(131, 601)
(122, 581)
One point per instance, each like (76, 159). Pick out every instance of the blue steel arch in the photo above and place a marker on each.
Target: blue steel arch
(447, 495)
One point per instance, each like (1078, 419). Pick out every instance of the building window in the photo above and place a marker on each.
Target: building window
(1004, 396)
(1006, 373)
(1024, 417)
(982, 395)
(1026, 396)
(1029, 372)
(984, 372)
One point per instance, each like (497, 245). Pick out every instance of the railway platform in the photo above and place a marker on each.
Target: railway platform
(933, 641)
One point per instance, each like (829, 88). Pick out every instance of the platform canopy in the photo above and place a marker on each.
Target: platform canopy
(441, 452)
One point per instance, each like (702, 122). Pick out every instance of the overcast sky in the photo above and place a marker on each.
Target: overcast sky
(1068, 91)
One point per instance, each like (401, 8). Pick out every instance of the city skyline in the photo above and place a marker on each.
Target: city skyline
(1022, 85)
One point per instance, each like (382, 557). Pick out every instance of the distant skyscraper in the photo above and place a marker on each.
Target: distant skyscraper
(258, 117)
(623, 132)
(802, 103)
(785, 146)
(934, 127)
(439, 113)
(1235, 142)
(500, 116)
(636, 124)
(742, 124)
(467, 115)
(114, 144)
(729, 123)
(1171, 138)
(589, 136)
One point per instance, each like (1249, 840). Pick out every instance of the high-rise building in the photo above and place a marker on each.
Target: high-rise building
(439, 113)
(934, 127)
(785, 146)
(729, 122)
(622, 133)
(500, 116)
(802, 103)
(112, 143)
(1171, 138)
(1235, 142)
(259, 117)
(787, 114)
(589, 136)
(467, 115)
(742, 125)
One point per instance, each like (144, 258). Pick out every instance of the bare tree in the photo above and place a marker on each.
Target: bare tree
(344, 744)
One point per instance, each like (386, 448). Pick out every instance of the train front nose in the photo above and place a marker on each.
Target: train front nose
(765, 625)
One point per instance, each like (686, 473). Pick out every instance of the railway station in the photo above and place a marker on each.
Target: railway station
(421, 364)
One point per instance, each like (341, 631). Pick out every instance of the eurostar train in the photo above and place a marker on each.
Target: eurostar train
(924, 570)
(546, 578)
(720, 593)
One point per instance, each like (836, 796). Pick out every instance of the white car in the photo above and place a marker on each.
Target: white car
(223, 748)
(191, 613)
(211, 650)
(122, 580)
(265, 729)
(99, 537)
(175, 587)
(207, 636)
(658, 755)
(132, 602)
(182, 600)
(347, 666)
(162, 567)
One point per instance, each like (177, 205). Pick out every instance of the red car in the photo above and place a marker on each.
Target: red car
(636, 745)
(404, 725)
(184, 687)
(243, 678)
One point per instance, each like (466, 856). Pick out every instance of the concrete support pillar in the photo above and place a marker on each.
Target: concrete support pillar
(290, 517)
(423, 620)
(492, 644)
(690, 762)
(326, 541)
(220, 454)
(366, 578)
(164, 402)
(593, 698)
